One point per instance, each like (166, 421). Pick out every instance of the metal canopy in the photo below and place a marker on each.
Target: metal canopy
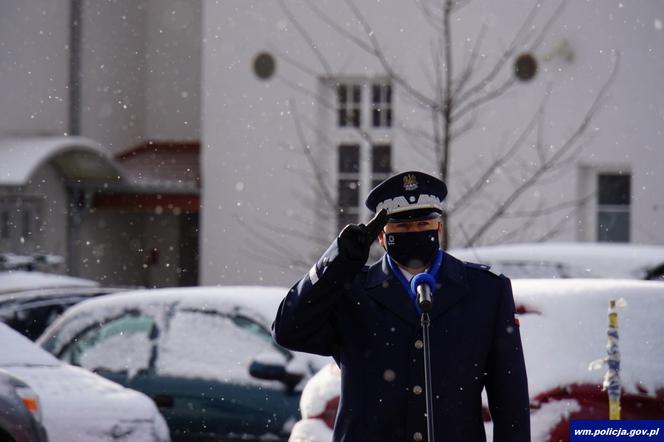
(76, 158)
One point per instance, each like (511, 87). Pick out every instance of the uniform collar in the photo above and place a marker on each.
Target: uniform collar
(453, 287)
(452, 269)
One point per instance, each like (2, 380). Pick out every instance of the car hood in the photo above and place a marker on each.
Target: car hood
(102, 410)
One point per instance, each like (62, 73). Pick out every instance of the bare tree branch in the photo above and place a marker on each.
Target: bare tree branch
(520, 230)
(505, 56)
(372, 48)
(544, 211)
(569, 143)
(557, 227)
(319, 173)
(293, 62)
(484, 98)
(280, 252)
(491, 169)
(305, 36)
(547, 26)
(469, 66)
(453, 101)
(447, 99)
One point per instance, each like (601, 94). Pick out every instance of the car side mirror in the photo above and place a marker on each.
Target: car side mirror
(272, 368)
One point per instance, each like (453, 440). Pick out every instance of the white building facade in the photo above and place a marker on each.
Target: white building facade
(98, 100)
(572, 154)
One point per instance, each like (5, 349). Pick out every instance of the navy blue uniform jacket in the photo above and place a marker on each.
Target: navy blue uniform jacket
(363, 317)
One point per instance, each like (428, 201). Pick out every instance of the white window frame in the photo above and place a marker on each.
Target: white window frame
(383, 106)
(18, 213)
(614, 208)
(366, 135)
(588, 194)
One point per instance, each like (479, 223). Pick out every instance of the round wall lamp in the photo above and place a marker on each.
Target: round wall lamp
(525, 66)
(264, 65)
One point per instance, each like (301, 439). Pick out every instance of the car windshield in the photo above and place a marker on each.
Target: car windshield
(120, 345)
(212, 345)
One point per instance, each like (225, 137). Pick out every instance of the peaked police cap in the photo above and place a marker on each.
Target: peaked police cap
(408, 196)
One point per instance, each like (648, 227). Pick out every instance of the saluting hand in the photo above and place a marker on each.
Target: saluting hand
(355, 239)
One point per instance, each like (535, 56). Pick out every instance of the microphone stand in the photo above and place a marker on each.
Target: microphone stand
(427, 374)
(423, 284)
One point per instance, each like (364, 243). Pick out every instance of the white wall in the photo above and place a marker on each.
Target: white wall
(34, 66)
(113, 72)
(173, 70)
(251, 183)
(141, 71)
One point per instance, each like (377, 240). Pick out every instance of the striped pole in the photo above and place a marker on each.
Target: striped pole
(612, 377)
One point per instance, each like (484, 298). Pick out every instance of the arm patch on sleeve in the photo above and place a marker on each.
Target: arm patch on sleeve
(313, 275)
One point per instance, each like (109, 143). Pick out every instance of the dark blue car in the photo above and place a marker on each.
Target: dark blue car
(205, 356)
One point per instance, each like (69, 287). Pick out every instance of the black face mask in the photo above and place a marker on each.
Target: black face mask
(413, 249)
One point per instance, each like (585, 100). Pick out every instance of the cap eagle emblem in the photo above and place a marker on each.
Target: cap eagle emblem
(409, 182)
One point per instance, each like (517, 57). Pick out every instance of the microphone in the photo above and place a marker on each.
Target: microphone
(424, 297)
(422, 285)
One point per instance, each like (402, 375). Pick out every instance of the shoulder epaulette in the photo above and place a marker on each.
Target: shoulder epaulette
(485, 267)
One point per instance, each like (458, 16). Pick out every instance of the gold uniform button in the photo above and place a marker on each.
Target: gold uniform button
(419, 344)
(417, 390)
(418, 436)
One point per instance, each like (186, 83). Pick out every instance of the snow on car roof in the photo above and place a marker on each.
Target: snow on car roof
(19, 350)
(257, 302)
(579, 260)
(18, 280)
(261, 300)
(570, 329)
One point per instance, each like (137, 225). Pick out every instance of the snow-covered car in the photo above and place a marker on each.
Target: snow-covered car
(12, 281)
(570, 260)
(30, 311)
(77, 405)
(563, 327)
(20, 411)
(204, 354)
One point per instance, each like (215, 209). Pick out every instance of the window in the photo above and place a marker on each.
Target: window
(20, 223)
(381, 163)
(4, 224)
(349, 98)
(613, 207)
(364, 155)
(348, 185)
(27, 217)
(381, 105)
(122, 345)
(237, 341)
(255, 328)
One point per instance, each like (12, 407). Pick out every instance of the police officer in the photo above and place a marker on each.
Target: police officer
(368, 319)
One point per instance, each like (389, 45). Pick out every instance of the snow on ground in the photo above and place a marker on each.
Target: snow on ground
(16, 280)
(570, 260)
(77, 405)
